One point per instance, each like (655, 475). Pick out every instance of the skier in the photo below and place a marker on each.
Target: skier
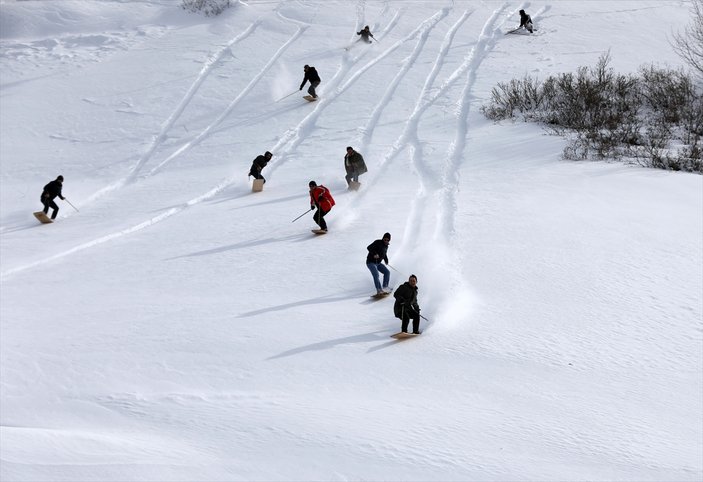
(311, 75)
(406, 306)
(51, 190)
(258, 164)
(365, 34)
(354, 165)
(378, 252)
(525, 21)
(320, 198)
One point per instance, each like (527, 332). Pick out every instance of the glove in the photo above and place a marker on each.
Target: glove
(301, 88)
(312, 206)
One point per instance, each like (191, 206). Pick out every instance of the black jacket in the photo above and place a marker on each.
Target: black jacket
(52, 190)
(524, 19)
(258, 164)
(379, 248)
(311, 75)
(365, 34)
(354, 163)
(405, 301)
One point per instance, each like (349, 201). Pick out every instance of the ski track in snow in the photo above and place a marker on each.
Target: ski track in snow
(294, 136)
(207, 131)
(210, 63)
(109, 237)
(430, 184)
(204, 73)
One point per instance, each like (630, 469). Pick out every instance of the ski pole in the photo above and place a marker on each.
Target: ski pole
(286, 96)
(394, 268)
(301, 215)
(69, 202)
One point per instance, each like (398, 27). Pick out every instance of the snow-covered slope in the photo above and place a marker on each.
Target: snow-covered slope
(181, 327)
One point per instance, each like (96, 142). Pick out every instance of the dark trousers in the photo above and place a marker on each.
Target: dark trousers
(406, 316)
(257, 175)
(351, 176)
(319, 218)
(49, 203)
(311, 89)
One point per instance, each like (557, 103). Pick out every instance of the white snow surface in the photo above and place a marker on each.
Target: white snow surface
(180, 327)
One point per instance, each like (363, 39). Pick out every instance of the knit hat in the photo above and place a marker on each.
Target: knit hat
(387, 236)
(60, 178)
(312, 184)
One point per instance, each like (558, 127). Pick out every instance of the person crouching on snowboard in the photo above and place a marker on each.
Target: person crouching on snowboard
(354, 165)
(258, 165)
(378, 252)
(320, 198)
(525, 21)
(311, 75)
(406, 306)
(365, 34)
(48, 195)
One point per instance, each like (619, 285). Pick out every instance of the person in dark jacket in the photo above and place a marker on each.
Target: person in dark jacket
(365, 34)
(313, 78)
(48, 195)
(406, 306)
(525, 21)
(378, 253)
(354, 165)
(320, 198)
(258, 165)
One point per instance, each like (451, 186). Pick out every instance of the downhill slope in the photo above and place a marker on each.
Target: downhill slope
(181, 327)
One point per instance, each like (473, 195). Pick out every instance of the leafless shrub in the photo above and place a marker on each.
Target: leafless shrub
(689, 43)
(209, 8)
(609, 115)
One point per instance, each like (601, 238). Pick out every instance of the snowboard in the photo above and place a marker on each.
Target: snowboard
(521, 31)
(258, 185)
(43, 217)
(379, 296)
(402, 336)
(319, 231)
(354, 186)
(309, 98)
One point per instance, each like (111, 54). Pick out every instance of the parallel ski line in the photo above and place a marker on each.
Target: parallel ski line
(367, 131)
(213, 192)
(293, 138)
(109, 237)
(255, 80)
(450, 177)
(445, 230)
(171, 212)
(204, 73)
(424, 101)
